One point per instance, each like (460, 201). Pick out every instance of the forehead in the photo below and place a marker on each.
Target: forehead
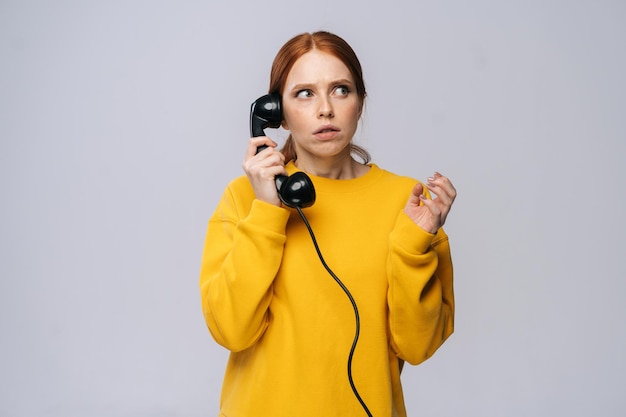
(317, 67)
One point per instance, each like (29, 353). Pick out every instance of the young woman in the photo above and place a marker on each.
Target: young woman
(268, 298)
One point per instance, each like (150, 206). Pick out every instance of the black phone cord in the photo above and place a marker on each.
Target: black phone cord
(354, 306)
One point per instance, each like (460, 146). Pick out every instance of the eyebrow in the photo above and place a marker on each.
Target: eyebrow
(304, 86)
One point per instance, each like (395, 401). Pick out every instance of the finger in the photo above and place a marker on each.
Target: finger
(444, 203)
(437, 189)
(448, 186)
(445, 183)
(441, 207)
(258, 144)
(416, 192)
(267, 159)
(442, 195)
(442, 187)
(418, 189)
(432, 206)
(262, 172)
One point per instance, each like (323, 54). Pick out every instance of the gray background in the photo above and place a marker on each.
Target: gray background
(122, 121)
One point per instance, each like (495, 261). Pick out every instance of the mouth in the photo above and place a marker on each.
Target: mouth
(326, 129)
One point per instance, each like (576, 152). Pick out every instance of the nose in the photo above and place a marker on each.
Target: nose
(326, 108)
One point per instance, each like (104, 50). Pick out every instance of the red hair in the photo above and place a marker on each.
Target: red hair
(324, 42)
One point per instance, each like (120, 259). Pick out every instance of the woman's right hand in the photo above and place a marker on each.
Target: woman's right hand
(263, 167)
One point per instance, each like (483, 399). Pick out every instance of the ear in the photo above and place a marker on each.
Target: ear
(361, 109)
(284, 124)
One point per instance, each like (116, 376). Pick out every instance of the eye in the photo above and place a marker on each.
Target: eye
(342, 90)
(304, 94)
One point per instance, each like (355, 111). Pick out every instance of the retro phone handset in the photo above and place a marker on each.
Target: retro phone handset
(296, 191)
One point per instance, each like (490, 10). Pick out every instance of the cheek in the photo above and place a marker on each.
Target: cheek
(352, 106)
(355, 112)
(293, 119)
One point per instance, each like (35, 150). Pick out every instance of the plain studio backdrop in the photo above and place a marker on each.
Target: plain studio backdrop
(121, 122)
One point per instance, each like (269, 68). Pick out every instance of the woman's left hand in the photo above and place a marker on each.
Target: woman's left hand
(429, 214)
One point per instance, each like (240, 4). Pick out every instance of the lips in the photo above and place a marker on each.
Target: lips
(326, 131)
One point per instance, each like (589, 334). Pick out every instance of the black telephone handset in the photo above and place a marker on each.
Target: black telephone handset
(296, 190)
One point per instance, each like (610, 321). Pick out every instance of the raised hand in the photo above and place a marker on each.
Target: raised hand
(261, 168)
(430, 214)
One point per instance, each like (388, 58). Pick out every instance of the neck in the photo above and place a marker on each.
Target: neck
(340, 167)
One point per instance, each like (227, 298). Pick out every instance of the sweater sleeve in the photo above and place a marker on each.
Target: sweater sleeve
(242, 254)
(420, 297)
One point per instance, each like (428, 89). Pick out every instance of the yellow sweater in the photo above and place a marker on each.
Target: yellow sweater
(268, 299)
